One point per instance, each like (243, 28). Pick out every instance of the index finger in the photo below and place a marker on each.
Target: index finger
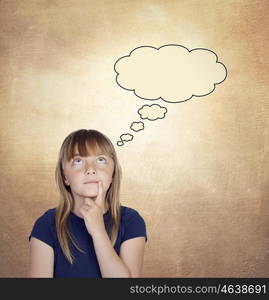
(100, 199)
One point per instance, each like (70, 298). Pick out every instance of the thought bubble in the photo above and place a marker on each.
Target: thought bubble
(171, 73)
(152, 112)
(125, 138)
(137, 126)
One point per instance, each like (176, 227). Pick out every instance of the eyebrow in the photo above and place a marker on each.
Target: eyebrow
(76, 154)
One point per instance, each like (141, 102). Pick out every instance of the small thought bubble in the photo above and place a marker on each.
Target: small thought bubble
(152, 112)
(120, 143)
(126, 137)
(137, 126)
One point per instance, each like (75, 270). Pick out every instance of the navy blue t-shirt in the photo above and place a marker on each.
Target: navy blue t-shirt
(84, 265)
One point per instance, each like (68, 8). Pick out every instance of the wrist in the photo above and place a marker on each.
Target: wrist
(100, 232)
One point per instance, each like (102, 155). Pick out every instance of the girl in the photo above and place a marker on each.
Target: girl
(89, 234)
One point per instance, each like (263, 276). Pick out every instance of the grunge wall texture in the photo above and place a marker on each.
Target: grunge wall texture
(199, 177)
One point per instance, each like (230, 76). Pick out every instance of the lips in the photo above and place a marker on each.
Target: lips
(92, 181)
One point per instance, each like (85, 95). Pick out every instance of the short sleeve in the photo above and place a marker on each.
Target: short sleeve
(42, 230)
(134, 225)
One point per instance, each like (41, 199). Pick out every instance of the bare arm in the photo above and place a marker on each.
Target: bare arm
(127, 264)
(41, 259)
(132, 254)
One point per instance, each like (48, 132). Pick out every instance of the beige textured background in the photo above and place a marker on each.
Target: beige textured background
(199, 177)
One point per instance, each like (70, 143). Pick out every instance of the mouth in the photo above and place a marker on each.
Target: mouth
(87, 182)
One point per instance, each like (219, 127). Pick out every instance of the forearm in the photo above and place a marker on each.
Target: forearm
(111, 265)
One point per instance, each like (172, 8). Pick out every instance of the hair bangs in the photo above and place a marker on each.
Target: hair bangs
(87, 143)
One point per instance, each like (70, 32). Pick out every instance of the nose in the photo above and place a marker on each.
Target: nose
(90, 170)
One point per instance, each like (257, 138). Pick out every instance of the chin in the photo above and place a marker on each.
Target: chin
(90, 195)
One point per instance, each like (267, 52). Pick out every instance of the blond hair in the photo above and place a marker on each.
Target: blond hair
(84, 141)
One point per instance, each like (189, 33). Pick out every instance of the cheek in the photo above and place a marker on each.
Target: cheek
(106, 176)
(72, 175)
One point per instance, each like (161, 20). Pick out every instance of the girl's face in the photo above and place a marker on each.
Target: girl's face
(82, 174)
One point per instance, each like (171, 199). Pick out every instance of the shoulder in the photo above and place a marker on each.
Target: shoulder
(44, 227)
(132, 223)
(50, 212)
(48, 216)
(46, 221)
(130, 215)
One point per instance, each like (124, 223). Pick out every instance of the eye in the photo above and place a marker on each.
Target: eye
(77, 161)
(101, 159)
